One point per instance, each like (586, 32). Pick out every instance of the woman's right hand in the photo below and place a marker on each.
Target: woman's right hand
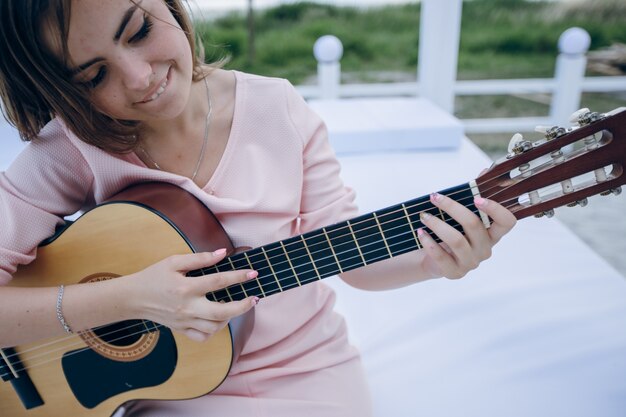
(164, 294)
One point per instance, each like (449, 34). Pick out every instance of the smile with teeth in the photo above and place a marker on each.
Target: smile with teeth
(158, 92)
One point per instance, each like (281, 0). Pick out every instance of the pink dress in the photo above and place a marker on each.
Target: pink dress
(278, 177)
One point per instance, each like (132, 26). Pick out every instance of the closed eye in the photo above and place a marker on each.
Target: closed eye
(143, 31)
(95, 81)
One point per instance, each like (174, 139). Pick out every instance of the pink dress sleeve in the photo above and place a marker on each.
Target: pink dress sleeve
(325, 199)
(47, 181)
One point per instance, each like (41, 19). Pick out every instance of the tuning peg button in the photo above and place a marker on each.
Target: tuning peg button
(548, 213)
(575, 117)
(515, 139)
(551, 132)
(614, 191)
(581, 203)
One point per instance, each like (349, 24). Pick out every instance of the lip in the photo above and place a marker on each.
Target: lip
(156, 87)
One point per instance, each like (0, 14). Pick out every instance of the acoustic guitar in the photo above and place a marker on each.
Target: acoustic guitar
(94, 372)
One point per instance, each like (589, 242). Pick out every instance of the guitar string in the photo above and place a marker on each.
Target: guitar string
(143, 324)
(313, 253)
(76, 342)
(372, 227)
(157, 325)
(514, 203)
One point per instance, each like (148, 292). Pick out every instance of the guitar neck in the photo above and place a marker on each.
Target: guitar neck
(334, 249)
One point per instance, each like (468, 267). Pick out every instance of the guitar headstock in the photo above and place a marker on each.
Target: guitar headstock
(562, 169)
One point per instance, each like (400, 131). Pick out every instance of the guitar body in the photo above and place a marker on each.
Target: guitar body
(111, 240)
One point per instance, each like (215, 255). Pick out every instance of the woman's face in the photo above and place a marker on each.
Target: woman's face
(136, 60)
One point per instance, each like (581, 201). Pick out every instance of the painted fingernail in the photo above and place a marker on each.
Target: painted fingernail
(219, 252)
(480, 202)
(425, 216)
(255, 300)
(252, 274)
(435, 197)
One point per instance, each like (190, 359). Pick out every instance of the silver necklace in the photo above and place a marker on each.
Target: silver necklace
(206, 137)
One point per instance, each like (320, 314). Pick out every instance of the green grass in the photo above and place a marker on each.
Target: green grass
(499, 38)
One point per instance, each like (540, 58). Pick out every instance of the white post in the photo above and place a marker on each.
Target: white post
(440, 31)
(328, 51)
(569, 74)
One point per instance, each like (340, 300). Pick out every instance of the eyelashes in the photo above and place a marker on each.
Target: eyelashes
(144, 30)
(93, 83)
(141, 34)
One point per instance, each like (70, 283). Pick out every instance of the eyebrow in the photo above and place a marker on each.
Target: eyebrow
(116, 38)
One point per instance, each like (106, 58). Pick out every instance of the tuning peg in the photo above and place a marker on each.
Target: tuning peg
(584, 117)
(614, 191)
(576, 116)
(548, 213)
(551, 132)
(518, 145)
(581, 203)
(515, 139)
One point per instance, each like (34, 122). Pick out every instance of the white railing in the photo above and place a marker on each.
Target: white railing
(436, 77)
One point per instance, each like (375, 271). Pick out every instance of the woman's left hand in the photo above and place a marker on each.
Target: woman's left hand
(459, 253)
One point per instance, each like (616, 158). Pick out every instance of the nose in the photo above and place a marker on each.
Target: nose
(136, 72)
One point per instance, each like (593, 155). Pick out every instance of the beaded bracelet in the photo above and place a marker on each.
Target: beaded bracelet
(59, 312)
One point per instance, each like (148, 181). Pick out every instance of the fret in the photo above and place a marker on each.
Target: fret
(371, 239)
(308, 251)
(398, 229)
(406, 214)
(295, 275)
(320, 251)
(243, 288)
(357, 243)
(301, 260)
(345, 246)
(211, 296)
(282, 267)
(256, 280)
(230, 297)
(269, 263)
(419, 206)
(441, 214)
(245, 254)
(332, 249)
(238, 291)
(382, 234)
(267, 280)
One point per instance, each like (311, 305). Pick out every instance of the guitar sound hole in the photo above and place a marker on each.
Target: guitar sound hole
(123, 333)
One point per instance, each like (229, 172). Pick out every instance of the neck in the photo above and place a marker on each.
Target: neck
(334, 249)
(167, 133)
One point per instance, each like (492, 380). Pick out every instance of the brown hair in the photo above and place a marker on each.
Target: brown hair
(36, 85)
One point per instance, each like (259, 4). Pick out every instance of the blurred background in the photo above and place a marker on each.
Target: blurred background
(514, 40)
(500, 39)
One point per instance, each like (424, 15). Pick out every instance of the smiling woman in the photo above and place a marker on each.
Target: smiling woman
(128, 125)
(65, 85)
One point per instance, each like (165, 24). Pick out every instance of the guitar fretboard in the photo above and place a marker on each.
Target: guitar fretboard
(334, 249)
